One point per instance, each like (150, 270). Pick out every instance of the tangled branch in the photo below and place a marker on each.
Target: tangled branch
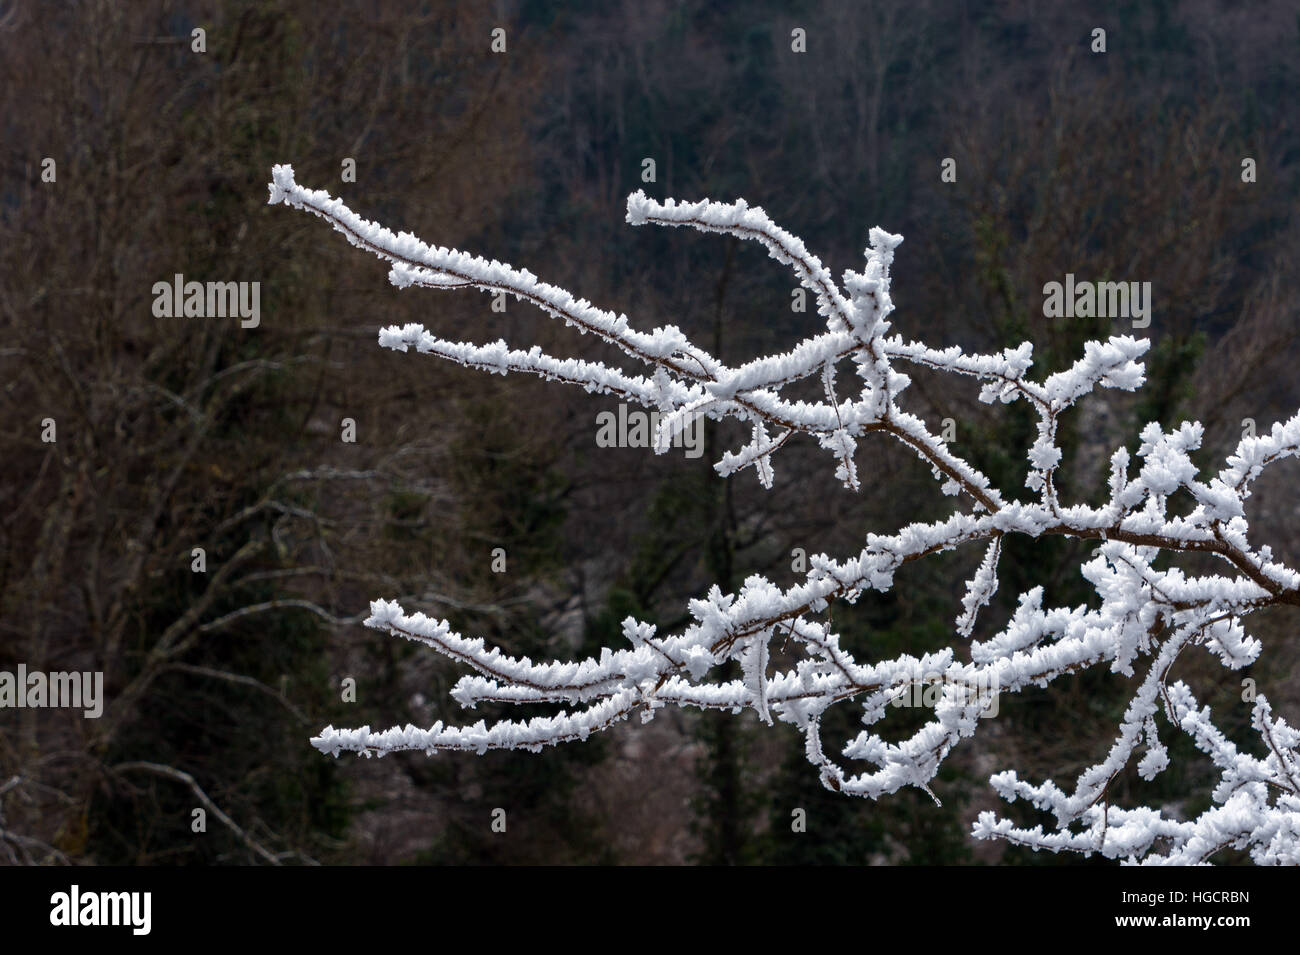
(1146, 616)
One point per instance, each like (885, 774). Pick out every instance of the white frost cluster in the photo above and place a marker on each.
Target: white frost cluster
(1146, 617)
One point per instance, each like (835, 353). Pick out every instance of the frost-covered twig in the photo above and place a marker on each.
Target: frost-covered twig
(1144, 613)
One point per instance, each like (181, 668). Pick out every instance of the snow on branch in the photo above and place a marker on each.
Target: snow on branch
(1145, 619)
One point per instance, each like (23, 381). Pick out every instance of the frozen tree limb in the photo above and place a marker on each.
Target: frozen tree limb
(1146, 616)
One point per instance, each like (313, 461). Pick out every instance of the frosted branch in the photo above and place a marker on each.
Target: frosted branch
(1145, 617)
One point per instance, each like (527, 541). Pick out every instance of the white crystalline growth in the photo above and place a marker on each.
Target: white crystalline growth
(1144, 618)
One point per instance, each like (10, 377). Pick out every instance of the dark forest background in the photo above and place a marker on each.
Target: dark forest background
(180, 433)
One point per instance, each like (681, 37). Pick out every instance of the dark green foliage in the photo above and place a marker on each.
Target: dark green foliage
(245, 746)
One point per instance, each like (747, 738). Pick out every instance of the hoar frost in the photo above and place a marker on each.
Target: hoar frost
(1146, 616)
